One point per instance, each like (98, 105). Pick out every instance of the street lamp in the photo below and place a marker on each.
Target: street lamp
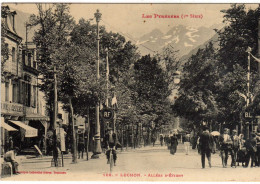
(97, 143)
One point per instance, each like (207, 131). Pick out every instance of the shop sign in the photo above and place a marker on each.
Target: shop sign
(9, 107)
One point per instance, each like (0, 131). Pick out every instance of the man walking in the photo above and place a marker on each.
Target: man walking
(251, 146)
(205, 144)
(161, 139)
(187, 143)
(235, 147)
(225, 146)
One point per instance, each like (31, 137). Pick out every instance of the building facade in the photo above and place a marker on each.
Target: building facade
(21, 107)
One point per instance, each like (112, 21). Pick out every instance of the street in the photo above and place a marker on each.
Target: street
(141, 164)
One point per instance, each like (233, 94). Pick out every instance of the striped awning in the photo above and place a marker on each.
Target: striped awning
(6, 126)
(29, 131)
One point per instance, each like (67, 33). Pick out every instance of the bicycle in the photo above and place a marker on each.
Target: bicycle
(111, 159)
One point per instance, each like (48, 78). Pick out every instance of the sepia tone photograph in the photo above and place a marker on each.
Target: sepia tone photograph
(130, 92)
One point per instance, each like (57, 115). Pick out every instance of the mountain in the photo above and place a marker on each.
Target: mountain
(181, 38)
(213, 39)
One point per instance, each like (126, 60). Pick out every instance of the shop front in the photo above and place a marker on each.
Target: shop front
(22, 131)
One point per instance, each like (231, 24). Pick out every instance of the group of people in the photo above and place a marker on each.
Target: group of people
(171, 141)
(241, 149)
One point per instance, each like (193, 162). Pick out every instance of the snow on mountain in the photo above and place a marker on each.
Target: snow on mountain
(141, 42)
(167, 37)
(187, 45)
(181, 38)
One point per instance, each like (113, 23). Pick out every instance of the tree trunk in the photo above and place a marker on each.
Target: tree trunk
(74, 157)
(88, 131)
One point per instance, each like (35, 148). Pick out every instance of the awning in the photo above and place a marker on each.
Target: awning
(37, 117)
(6, 126)
(29, 131)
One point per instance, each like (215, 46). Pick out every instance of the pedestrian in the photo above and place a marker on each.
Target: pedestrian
(241, 141)
(206, 145)
(258, 149)
(153, 139)
(161, 139)
(198, 145)
(173, 143)
(165, 140)
(251, 148)
(168, 142)
(235, 148)
(111, 142)
(55, 151)
(225, 146)
(186, 140)
(80, 146)
(242, 152)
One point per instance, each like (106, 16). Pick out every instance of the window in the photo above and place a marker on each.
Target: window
(15, 99)
(34, 97)
(13, 54)
(7, 91)
(22, 95)
(29, 59)
(23, 57)
(28, 94)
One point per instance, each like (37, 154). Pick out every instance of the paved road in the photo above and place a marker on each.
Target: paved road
(143, 164)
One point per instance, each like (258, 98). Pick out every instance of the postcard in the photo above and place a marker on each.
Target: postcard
(130, 92)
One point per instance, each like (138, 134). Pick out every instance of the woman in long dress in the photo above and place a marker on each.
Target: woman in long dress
(174, 144)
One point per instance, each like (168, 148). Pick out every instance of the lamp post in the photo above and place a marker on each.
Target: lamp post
(97, 144)
(248, 87)
(176, 81)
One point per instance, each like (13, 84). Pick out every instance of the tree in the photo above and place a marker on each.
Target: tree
(54, 24)
(197, 99)
(121, 56)
(215, 77)
(239, 34)
(151, 89)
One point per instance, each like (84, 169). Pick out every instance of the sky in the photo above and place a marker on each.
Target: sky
(128, 18)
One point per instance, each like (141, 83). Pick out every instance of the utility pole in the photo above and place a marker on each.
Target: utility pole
(248, 88)
(55, 115)
(97, 143)
(107, 78)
